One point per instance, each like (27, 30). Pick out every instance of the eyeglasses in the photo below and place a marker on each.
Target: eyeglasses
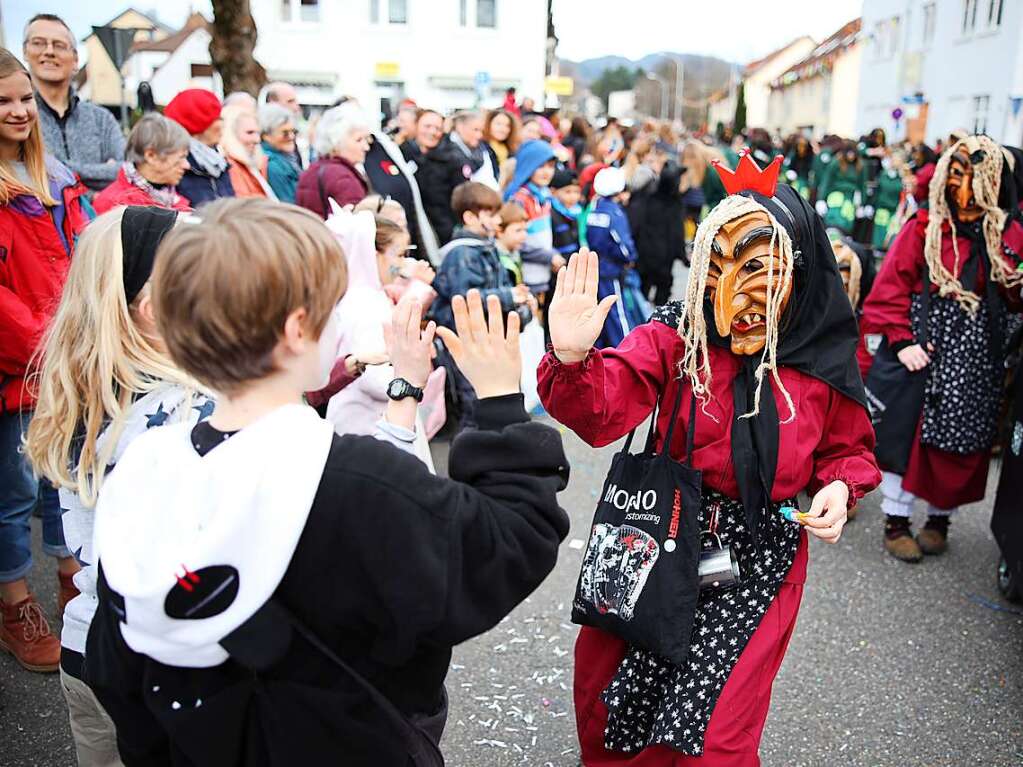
(289, 133)
(40, 44)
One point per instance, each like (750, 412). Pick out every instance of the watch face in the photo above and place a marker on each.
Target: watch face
(395, 389)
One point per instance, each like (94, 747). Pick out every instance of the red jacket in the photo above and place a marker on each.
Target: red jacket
(886, 308)
(123, 192)
(34, 260)
(614, 390)
(330, 177)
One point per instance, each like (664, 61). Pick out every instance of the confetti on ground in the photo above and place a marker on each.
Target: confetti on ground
(576, 543)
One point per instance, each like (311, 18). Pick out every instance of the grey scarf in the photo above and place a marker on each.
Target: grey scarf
(208, 158)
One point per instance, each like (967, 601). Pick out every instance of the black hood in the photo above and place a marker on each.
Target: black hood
(669, 180)
(817, 336)
(818, 332)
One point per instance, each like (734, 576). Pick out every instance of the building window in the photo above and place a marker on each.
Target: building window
(397, 13)
(463, 12)
(930, 13)
(300, 10)
(980, 109)
(374, 11)
(309, 10)
(994, 13)
(893, 31)
(969, 16)
(486, 13)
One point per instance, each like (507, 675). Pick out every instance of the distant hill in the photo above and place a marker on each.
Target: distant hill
(703, 75)
(699, 66)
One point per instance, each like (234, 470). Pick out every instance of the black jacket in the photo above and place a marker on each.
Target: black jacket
(655, 215)
(440, 171)
(394, 567)
(388, 181)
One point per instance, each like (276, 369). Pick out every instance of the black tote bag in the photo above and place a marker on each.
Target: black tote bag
(895, 396)
(639, 579)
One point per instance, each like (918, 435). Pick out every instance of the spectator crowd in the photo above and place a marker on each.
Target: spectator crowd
(401, 277)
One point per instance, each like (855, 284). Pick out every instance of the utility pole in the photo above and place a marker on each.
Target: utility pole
(680, 75)
(664, 93)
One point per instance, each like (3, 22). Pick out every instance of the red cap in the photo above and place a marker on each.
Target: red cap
(194, 109)
(589, 173)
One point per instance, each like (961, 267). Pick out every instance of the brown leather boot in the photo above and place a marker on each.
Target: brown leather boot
(898, 540)
(25, 634)
(933, 538)
(66, 591)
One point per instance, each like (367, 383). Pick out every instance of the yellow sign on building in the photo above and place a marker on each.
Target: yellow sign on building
(559, 86)
(387, 70)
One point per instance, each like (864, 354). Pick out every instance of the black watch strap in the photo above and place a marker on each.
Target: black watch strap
(400, 389)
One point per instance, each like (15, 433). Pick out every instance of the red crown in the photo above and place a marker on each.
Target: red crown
(747, 176)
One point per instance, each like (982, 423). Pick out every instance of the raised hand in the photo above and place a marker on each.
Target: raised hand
(575, 317)
(410, 347)
(486, 355)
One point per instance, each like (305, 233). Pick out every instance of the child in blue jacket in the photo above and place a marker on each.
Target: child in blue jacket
(471, 261)
(608, 234)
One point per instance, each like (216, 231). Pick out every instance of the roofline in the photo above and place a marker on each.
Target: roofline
(155, 22)
(756, 64)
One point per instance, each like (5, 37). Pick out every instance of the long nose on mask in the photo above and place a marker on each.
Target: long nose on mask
(727, 303)
(964, 193)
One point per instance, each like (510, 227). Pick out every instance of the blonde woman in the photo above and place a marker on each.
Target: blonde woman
(103, 380)
(241, 144)
(41, 213)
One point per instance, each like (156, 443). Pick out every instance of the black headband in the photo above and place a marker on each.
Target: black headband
(142, 231)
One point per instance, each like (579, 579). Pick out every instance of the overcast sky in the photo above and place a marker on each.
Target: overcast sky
(737, 30)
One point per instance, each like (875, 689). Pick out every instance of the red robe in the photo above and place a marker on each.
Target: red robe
(612, 392)
(944, 479)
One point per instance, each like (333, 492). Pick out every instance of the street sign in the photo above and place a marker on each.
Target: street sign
(559, 86)
(116, 42)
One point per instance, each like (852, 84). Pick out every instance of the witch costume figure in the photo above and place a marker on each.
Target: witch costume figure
(765, 342)
(940, 315)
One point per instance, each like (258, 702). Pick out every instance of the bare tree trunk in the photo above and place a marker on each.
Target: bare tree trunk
(234, 39)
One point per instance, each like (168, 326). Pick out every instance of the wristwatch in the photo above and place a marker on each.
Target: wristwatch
(399, 389)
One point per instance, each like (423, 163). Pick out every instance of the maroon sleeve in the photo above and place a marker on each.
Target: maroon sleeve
(846, 451)
(1013, 241)
(342, 184)
(612, 391)
(339, 379)
(886, 309)
(923, 183)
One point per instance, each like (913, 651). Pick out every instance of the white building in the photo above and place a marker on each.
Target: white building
(947, 64)
(817, 95)
(442, 53)
(721, 109)
(177, 62)
(759, 75)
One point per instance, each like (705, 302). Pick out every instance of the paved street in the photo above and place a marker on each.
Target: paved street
(892, 664)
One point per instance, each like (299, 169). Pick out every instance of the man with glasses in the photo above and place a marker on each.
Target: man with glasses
(83, 136)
